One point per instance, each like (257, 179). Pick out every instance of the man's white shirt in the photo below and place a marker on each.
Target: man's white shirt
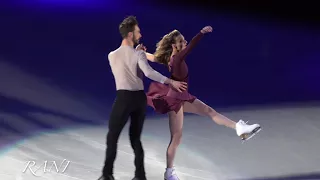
(128, 66)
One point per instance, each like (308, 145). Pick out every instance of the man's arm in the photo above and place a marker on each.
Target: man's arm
(154, 75)
(150, 57)
(149, 71)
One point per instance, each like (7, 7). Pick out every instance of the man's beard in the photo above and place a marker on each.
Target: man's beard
(135, 40)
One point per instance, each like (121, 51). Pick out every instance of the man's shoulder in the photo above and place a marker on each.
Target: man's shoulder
(111, 54)
(140, 54)
(114, 51)
(121, 50)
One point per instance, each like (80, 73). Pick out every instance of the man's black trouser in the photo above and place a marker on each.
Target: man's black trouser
(127, 104)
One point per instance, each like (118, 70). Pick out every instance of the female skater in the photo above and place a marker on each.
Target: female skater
(172, 51)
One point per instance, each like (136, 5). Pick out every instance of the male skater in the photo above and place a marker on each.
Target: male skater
(128, 66)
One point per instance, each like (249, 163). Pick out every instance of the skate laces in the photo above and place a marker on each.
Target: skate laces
(242, 122)
(173, 172)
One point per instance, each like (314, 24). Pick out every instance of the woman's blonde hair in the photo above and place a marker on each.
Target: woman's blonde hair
(164, 47)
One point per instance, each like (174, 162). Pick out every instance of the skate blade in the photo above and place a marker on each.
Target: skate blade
(167, 179)
(246, 137)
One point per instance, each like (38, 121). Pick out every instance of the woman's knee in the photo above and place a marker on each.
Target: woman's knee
(176, 137)
(210, 111)
(213, 112)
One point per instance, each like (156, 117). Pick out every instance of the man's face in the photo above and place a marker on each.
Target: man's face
(136, 35)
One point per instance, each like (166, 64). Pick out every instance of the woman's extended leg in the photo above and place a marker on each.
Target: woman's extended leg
(200, 108)
(243, 130)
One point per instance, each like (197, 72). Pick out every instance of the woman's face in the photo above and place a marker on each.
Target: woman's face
(181, 43)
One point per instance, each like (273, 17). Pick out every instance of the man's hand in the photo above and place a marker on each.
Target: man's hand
(141, 47)
(179, 86)
(206, 29)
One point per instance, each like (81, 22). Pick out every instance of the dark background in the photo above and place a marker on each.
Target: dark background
(55, 51)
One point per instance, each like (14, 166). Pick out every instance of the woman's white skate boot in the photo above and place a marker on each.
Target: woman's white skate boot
(246, 131)
(170, 174)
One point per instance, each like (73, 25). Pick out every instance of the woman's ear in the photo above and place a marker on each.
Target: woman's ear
(174, 46)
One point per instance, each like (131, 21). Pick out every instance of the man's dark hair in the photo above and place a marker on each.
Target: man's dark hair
(127, 25)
